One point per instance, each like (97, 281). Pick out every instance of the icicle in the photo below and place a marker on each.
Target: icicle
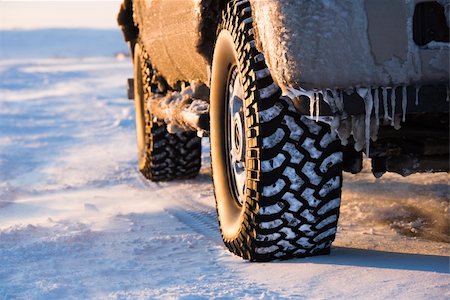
(337, 101)
(369, 107)
(317, 99)
(385, 106)
(330, 100)
(393, 99)
(335, 123)
(366, 94)
(374, 131)
(341, 102)
(362, 92)
(311, 105)
(404, 102)
(417, 95)
(358, 131)
(377, 107)
(344, 130)
(326, 99)
(294, 93)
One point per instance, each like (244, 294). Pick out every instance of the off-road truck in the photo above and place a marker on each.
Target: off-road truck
(290, 93)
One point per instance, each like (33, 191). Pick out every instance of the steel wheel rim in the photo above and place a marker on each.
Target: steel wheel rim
(236, 139)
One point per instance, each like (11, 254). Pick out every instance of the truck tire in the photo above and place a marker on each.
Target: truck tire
(277, 175)
(161, 156)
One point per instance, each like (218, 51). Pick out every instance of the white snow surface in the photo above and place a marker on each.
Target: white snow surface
(78, 221)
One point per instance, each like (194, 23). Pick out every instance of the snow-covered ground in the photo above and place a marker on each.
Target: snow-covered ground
(78, 221)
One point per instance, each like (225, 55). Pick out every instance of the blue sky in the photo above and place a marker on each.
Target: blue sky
(18, 14)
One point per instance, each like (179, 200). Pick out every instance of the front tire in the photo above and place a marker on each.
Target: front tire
(277, 185)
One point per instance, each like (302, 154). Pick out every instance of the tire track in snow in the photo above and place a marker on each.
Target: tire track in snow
(198, 217)
(186, 209)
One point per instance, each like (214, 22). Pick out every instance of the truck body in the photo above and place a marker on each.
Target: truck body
(309, 45)
(291, 93)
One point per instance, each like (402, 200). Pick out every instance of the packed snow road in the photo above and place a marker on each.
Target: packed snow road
(78, 221)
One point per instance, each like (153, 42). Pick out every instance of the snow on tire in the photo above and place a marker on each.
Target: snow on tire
(162, 156)
(292, 164)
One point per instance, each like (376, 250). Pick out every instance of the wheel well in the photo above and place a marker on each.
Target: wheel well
(125, 20)
(211, 12)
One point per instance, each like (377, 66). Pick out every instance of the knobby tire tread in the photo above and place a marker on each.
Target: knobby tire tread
(291, 209)
(168, 156)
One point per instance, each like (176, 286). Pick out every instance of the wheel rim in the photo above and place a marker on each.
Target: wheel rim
(236, 140)
(139, 105)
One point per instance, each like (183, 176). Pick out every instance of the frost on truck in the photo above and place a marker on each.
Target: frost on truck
(290, 94)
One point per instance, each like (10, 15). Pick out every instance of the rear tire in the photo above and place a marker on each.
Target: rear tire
(290, 169)
(161, 156)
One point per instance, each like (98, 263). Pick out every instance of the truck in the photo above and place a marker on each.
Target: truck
(291, 94)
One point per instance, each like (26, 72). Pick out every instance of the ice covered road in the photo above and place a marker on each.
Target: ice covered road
(78, 221)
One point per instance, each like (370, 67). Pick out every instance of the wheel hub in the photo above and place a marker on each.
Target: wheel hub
(236, 136)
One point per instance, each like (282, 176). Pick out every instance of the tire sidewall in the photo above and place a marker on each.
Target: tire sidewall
(231, 215)
(140, 107)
